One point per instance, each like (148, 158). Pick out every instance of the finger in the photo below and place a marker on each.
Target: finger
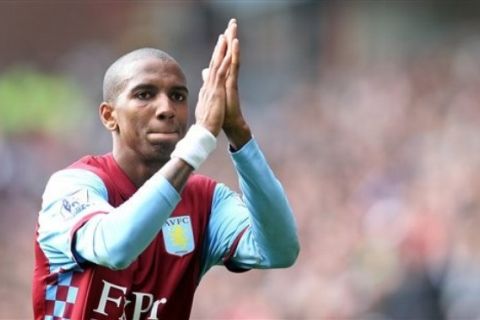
(218, 57)
(235, 65)
(216, 49)
(213, 53)
(229, 25)
(205, 74)
(233, 29)
(225, 66)
(229, 29)
(231, 32)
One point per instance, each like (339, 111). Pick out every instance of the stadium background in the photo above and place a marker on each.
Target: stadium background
(367, 110)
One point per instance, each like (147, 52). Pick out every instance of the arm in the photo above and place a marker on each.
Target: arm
(263, 219)
(73, 226)
(273, 228)
(257, 231)
(272, 236)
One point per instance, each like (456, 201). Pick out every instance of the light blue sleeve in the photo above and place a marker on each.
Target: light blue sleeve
(70, 196)
(270, 238)
(113, 240)
(229, 217)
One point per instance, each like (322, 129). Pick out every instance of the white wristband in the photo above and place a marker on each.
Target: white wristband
(195, 147)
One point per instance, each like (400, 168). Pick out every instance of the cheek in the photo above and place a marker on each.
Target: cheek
(182, 116)
(130, 124)
(182, 113)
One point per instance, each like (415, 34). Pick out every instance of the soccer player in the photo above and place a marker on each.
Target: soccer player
(129, 234)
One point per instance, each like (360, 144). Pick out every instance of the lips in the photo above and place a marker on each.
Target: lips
(162, 136)
(165, 130)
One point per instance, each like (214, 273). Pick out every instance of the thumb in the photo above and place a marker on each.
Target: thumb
(205, 74)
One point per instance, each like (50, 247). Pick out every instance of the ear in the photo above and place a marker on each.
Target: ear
(108, 116)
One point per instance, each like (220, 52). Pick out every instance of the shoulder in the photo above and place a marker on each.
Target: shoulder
(88, 169)
(72, 179)
(95, 164)
(100, 165)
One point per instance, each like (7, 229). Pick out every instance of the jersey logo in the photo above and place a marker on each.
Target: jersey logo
(178, 235)
(74, 203)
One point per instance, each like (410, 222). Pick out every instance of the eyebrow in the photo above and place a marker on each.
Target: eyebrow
(146, 86)
(180, 88)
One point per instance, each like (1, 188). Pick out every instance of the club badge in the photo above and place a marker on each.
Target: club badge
(178, 235)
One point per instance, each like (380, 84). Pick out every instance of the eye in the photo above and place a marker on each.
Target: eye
(144, 95)
(178, 96)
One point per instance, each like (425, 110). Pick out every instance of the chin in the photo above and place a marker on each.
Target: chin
(161, 152)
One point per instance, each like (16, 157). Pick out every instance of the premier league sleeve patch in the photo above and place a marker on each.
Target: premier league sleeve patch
(74, 203)
(178, 235)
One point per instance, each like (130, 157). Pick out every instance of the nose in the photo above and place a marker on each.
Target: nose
(164, 107)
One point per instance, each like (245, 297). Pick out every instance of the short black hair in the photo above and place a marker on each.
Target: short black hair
(112, 81)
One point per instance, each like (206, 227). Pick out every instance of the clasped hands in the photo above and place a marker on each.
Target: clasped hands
(218, 106)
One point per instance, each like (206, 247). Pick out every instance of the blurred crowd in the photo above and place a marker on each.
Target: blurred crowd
(381, 164)
(378, 156)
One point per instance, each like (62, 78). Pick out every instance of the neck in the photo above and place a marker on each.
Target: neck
(137, 169)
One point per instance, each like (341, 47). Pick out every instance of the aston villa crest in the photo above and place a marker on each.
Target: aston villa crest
(178, 235)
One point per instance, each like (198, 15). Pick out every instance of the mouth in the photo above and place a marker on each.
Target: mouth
(162, 136)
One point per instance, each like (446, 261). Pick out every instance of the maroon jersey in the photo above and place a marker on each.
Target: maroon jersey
(159, 284)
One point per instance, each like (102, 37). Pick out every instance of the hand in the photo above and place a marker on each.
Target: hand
(210, 110)
(234, 125)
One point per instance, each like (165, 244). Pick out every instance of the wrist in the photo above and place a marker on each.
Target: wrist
(214, 129)
(196, 146)
(238, 134)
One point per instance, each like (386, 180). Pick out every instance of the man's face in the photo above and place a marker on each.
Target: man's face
(151, 109)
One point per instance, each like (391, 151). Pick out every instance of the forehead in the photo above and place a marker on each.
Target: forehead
(153, 71)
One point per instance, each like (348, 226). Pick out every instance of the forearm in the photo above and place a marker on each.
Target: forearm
(117, 238)
(272, 223)
(176, 171)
